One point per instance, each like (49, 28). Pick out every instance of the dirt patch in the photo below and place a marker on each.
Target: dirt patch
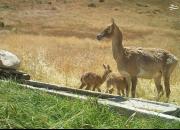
(92, 5)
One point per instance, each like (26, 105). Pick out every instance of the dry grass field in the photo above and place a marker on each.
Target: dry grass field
(56, 39)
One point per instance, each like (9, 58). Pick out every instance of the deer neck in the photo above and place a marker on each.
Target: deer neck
(103, 77)
(117, 47)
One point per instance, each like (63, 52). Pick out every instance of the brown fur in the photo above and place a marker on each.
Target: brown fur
(119, 82)
(90, 79)
(149, 63)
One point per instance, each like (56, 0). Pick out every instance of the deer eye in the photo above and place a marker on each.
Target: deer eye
(109, 30)
(106, 30)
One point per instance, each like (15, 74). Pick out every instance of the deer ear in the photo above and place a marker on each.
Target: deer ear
(108, 67)
(104, 66)
(112, 20)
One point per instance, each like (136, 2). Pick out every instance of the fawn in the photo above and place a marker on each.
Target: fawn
(94, 80)
(118, 81)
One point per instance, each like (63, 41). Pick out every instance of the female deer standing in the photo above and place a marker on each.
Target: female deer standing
(149, 63)
(94, 80)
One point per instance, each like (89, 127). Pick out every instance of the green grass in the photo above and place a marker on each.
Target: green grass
(24, 108)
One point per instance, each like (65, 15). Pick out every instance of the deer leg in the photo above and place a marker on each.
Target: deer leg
(166, 75)
(159, 87)
(127, 91)
(94, 88)
(167, 86)
(82, 85)
(118, 90)
(133, 89)
(123, 92)
(88, 87)
(99, 90)
(111, 90)
(127, 87)
(107, 87)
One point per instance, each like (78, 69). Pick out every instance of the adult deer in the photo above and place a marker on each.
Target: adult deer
(149, 63)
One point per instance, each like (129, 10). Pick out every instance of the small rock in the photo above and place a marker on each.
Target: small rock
(92, 5)
(141, 5)
(116, 9)
(53, 8)
(140, 12)
(2, 24)
(101, 0)
(157, 11)
(49, 2)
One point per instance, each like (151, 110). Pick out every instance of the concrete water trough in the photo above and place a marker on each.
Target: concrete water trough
(123, 105)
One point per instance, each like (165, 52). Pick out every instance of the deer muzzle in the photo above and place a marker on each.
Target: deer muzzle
(99, 37)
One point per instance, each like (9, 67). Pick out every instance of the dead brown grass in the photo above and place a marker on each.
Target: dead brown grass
(56, 42)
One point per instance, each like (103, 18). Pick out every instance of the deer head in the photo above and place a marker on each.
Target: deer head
(107, 70)
(107, 32)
